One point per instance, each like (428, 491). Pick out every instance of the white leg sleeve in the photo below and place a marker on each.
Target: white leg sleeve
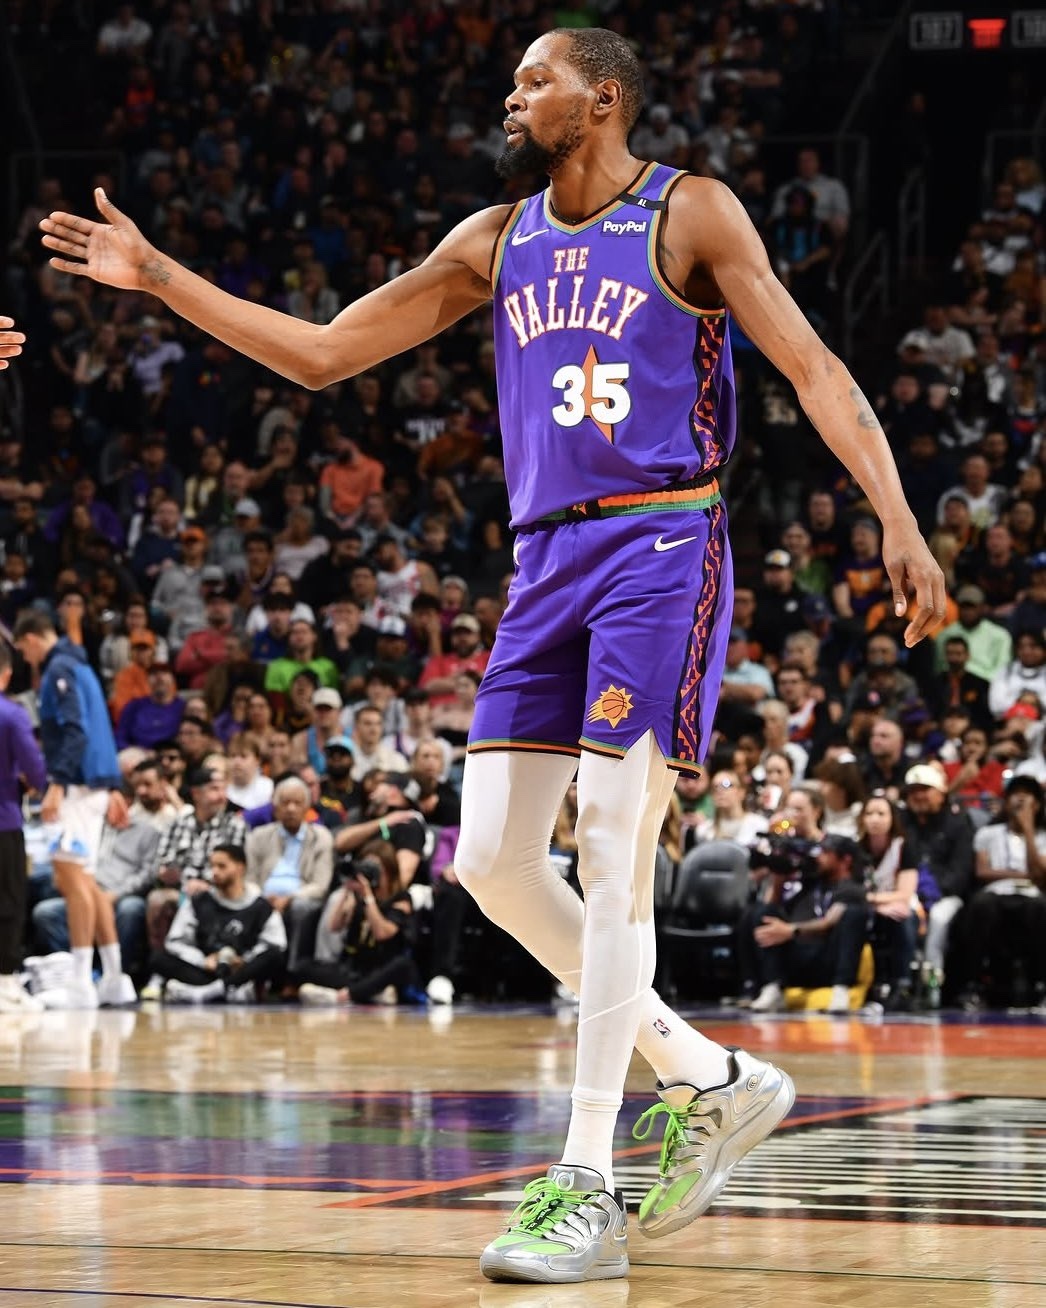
(938, 923)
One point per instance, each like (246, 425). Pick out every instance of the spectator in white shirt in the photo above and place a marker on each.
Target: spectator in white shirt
(247, 786)
(1027, 673)
(831, 198)
(937, 344)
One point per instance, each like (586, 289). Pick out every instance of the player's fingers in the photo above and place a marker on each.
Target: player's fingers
(929, 594)
(64, 232)
(65, 247)
(67, 266)
(6, 322)
(70, 220)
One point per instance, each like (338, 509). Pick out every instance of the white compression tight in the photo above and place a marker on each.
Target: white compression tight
(509, 805)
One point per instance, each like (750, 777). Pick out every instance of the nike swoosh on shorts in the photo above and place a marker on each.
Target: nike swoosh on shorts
(661, 544)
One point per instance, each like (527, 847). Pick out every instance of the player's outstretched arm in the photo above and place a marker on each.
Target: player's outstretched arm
(728, 246)
(11, 342)
(451, 282)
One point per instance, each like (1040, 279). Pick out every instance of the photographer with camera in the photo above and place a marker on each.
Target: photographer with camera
(812, 926)
(363, 946)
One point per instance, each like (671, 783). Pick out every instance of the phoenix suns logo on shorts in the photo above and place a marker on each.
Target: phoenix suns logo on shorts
(613, 706)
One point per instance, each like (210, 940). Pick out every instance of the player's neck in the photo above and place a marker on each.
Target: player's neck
(590, 179)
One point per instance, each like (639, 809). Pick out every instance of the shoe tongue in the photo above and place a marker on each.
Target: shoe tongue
(677, 1096)
(575, 1178)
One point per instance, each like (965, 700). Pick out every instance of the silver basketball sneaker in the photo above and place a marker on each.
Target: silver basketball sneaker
(706, 1136)
(568, 1228)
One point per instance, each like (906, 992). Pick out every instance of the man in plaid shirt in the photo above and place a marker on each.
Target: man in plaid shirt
(183, 857)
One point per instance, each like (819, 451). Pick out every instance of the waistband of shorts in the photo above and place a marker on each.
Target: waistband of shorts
(697, 493)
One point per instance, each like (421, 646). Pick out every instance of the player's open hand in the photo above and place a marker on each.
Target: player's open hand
(10, 342)
(114, 251)
(913, 569)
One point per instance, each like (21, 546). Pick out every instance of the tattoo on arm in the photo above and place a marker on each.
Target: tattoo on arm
(865, 417)
(155, 272)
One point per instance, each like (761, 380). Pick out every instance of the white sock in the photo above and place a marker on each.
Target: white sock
(82, 958)
(112, 963)
(679, 1054)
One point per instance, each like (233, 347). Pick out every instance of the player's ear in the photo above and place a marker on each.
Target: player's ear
(608, 96)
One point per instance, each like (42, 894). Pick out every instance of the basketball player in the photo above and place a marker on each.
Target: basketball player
(83, 793)
(610, 295)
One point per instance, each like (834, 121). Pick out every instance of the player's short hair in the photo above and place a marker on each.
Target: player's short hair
(599, 54)
(5, 656)
(34, 622)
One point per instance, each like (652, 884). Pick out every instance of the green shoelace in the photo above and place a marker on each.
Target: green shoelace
(675, 1129)
(544, 1203)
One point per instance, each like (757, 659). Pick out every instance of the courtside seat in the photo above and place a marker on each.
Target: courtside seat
(816, 1001)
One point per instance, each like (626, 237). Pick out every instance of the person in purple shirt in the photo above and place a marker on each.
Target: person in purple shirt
(21, 765)
(151, 719)
(104, 519)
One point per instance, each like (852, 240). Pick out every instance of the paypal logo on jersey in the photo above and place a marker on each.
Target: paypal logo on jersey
(627, 228)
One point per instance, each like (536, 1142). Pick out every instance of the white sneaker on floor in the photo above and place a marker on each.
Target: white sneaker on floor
(245, 994)
(14, 998)
(117, 991)
(440, 990)
(316, 996)
(74, 996)
(839, 1000)
(152, 990)
(389, 996)
(769, 1000)
(49, 971)
(180, 992)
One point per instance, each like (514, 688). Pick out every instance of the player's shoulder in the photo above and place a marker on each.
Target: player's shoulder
(706, 195)
(472, 240)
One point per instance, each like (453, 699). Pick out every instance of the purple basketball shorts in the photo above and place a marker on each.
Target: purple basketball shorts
(614, 627)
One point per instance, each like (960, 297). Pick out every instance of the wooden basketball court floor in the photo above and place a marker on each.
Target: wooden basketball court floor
(363, 1157)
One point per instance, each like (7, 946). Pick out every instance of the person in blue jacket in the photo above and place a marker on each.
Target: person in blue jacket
(83, 793)
(21, 767)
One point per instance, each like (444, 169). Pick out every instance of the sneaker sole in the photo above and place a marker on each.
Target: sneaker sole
(496, 1268)
(735, 1147)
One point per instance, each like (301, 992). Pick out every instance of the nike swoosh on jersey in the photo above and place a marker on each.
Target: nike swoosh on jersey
(661, 544)
(520, 239)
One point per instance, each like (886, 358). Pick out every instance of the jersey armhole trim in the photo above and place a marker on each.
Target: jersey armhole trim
(657, 271)
(497, 255)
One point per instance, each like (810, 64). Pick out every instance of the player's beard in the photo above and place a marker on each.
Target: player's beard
(530, 156)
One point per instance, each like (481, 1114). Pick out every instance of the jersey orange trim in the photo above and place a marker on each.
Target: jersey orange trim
(497, 254)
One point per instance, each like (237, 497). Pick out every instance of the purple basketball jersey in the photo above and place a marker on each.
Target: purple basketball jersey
(608, 382)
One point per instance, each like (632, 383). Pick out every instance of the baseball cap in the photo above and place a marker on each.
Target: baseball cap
(1022, 710)
(193, 533)
(778, 559)
(835, 843)
(913, 713)
(326, 697)
(340, 742)
(738, 633)
(465, 622)
(246, 508)
(815, 607)
(923, 774)
(869, 703)
(969, 595)
(392, 626)
(203, 777)
(143, 640)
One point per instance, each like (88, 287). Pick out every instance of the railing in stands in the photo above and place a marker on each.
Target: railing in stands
(867, 286)
(1002, 146)
(911, 228)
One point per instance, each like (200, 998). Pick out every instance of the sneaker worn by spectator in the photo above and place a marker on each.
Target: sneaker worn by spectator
(770, 999)
(839, 1000)
(568, 1228)
(14, 998)
(440, 990)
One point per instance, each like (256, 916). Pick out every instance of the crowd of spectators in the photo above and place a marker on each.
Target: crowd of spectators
(291, 597)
